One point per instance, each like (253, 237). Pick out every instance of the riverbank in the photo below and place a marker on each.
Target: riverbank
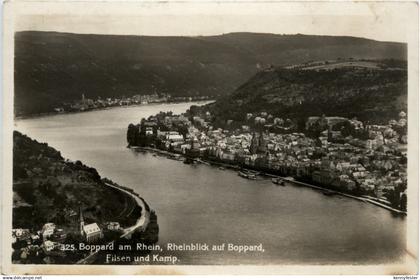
(287, 179)
(49, 114)
(42, 174)
(144, 219)
(346, 195)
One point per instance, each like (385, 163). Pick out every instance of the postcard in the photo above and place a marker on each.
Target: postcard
(210, 137)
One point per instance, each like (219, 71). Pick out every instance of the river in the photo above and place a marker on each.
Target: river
(200, 203)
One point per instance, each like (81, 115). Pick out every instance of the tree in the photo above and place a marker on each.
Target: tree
(301, 124)
(346, 129)
(194, 110)
(183, 130)
(394, 197)
(132, 132)
(403, 202)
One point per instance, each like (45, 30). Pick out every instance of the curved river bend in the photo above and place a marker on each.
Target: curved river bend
(207, 205)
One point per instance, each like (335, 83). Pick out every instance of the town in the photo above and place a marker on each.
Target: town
(340, 154)
(52, 243)
(63, 245)
(88, 104)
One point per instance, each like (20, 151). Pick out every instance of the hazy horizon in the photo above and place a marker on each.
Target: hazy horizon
(210, 35)
(384, 21)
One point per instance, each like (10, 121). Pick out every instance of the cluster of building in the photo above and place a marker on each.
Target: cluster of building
(86, 104)
(52, 241)
(347, 155)
(38, 244)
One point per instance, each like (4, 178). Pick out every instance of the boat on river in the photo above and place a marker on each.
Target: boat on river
(278, 181)
(247, 175)
(189, 161)
(328, 192)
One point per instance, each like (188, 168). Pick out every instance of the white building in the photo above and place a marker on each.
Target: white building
(92, 232)
(175, 138)
(49, 245)
(149, 131)
(47, 230)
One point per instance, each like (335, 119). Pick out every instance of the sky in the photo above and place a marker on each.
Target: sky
(384, 21)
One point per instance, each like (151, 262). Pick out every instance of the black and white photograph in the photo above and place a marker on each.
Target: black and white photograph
(143, 137)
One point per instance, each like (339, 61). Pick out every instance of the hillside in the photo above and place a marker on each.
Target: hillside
(374, 91)
(47, 188)
(52, 68)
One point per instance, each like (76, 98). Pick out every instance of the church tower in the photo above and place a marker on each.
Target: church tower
(329, 134)
(254, 144)
(262, 145)
(81, 221)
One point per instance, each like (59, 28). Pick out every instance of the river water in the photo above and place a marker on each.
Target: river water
(200, 203)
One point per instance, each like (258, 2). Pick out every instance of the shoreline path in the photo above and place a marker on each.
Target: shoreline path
(140, 225)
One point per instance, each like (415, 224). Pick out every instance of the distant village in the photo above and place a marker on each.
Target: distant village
(87, 104)
(342, 154)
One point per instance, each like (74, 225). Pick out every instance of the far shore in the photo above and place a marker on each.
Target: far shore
(47, 114)
(287, 179)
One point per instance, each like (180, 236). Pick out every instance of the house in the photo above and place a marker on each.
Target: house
(35, 237)
(178, 148)
(21, 234)
(245, 128)
(113, 226)
(47, 230)
(173, 138)
(92, 232)
(49, 245)
(227, 156)
(59, 236)
(149, 130)
(348, 184)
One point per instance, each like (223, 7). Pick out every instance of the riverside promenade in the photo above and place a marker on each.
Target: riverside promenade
(142, 222)
(363, 199)
(286, 179)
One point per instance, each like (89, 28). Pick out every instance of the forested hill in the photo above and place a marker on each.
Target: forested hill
(51, 68)
(48, 188)
(374, 91)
